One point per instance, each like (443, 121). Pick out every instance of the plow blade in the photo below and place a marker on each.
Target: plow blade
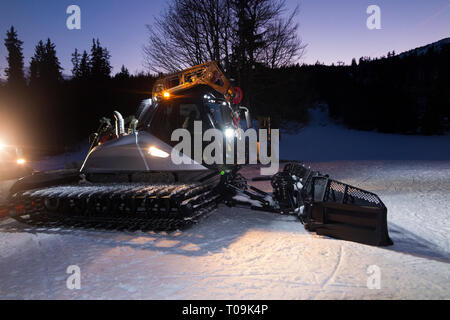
(345, 212)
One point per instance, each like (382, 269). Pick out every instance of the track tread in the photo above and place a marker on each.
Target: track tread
(116, 206)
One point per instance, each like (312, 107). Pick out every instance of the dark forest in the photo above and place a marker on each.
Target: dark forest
(48, 113)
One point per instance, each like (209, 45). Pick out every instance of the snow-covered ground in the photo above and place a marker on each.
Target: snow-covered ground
(323, 140)
(243, 254)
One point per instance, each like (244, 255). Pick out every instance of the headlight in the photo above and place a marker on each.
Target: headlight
(21, 161)
(155, 152)
(229, 133)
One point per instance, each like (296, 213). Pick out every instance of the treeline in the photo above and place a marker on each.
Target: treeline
(407, 94)
(48, 113)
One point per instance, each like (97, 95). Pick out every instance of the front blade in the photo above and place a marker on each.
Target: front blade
(345, 212)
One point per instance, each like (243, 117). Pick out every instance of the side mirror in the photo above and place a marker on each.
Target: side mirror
(248, 118)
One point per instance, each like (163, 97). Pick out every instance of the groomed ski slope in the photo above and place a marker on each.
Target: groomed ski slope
(243, 254)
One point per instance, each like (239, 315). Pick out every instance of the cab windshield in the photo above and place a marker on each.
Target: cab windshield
(220, 112)
(181, 113)
(172, 115)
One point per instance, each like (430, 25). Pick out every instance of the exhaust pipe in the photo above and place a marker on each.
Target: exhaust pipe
(120, 124)
(248, 118)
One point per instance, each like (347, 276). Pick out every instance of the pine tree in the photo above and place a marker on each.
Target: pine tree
(52, 62)
(76, 64)
(85, 66)
(14, 72)
(36, 62)
(123, 74)
(100, 65)
(45, 65)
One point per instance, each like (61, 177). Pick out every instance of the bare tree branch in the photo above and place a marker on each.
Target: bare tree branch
(239, 32)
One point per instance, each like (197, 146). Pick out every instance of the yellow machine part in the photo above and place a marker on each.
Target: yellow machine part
(208, 73)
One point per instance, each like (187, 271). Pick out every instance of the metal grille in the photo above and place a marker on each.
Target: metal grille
(344, 193)
(363, 195)
(337, 191)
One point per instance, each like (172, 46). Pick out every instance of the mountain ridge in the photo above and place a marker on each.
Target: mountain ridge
(437, 45)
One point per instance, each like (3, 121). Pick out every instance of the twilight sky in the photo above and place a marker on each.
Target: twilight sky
(334, 30)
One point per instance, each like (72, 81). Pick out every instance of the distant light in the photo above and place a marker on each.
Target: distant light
(2, 145)
(229, 133)
(166, 94)
(155, 152)
(21, 161)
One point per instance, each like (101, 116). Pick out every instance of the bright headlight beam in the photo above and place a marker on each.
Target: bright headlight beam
(21, 161)
(229, 133)
(155, 152)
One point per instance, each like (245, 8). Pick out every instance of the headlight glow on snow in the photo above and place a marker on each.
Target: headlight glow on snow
(229, 133)
(155, 152)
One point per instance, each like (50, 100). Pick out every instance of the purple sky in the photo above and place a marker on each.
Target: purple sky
(334, 30)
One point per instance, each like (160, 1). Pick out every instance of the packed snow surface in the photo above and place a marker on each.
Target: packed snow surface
(323, 140)
(244, 254)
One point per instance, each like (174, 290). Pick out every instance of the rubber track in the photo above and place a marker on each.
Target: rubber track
(131, 206)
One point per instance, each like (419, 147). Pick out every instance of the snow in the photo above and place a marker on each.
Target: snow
(323, 140)
(244, 254)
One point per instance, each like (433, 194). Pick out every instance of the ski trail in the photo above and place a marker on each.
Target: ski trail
(332, 276)
(43, 255)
